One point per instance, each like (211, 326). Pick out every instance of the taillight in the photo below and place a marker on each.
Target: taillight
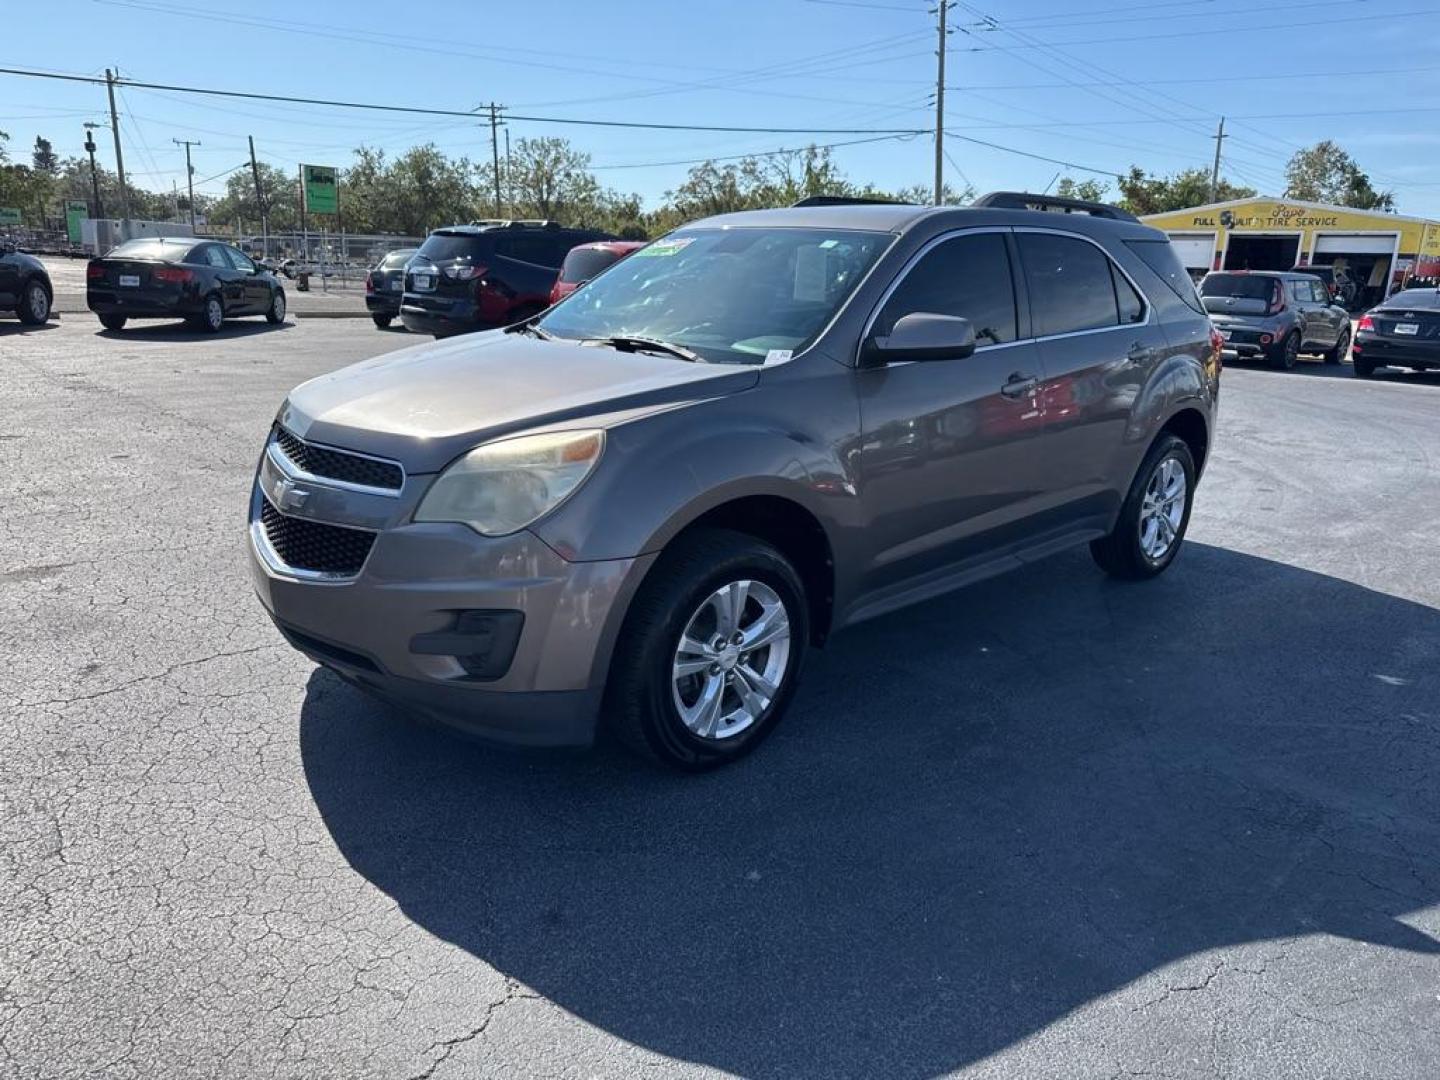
(95, 271)
(465, 273)
(369, 282)
(1217, 343)
(1365, 323)
(172, 275)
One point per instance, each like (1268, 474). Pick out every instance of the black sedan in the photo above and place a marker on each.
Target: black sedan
(385, 285)
(201, 281)
(24, 285)
(1404, 331)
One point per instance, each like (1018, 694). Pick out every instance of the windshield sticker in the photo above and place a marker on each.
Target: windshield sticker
(777, 356)
(827, 244)
(661, 248)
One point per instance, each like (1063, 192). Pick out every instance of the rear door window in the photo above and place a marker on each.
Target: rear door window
(968, 276)
(1072, 287)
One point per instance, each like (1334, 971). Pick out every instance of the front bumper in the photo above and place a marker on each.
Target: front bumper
(379, 628)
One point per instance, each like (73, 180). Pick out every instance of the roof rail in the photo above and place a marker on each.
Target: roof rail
(515, 223)
(1055, 204)
(846, 200)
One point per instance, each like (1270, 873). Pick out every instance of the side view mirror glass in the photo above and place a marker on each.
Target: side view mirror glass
(923, 335)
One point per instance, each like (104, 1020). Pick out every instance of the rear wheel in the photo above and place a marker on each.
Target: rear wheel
(1152, 523)
(710, 653)
(113, 322)
(34, 304)
(1363, 368)
(381, 321)
(212, 315)
(1286, 351)
(1342, 346)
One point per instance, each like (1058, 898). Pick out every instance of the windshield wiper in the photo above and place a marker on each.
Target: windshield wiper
(637, 343)
(531, 329)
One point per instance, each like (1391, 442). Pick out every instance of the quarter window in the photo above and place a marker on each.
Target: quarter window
(968, 276)
(1132, 308)
(1073, 287)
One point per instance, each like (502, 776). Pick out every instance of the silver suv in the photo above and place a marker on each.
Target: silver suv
(1276, 315)
(647, 502)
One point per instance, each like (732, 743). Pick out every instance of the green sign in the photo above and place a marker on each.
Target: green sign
(9, 215)
(322, 189)
(76, 211)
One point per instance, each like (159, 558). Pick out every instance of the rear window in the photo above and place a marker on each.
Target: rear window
(584, 263)
(453, 247)
(1160, 257)
(1419, 299)
(1242, 286)
(151, 248)
(396, 259)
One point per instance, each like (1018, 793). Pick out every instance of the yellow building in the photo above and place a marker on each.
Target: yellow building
(1377, 250)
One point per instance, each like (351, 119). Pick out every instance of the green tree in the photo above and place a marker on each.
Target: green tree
(238, 207)
(1326, 173)
(1089, 190)
(924, 195)
(43, 158)
(1142, 194)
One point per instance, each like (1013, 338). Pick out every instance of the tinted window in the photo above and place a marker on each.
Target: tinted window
(1070, 283)
(238, 259)
(1132, 307)
(534, 248)
(584, 263)
(210, 255)
(968, 276)
(396, 259)
(1241, 286)
(1160, 257)
(1416, 299)
(454, 247)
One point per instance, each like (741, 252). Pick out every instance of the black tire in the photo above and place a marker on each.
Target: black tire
(212, 316)
(382, 322)
(1337, 352)
(1363, 369)
(34, 309)
(1286, 351)
(113, 322)
(641, 692)
(275, 313)
(1121, 554)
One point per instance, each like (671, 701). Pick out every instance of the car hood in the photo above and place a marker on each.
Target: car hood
(427, 405)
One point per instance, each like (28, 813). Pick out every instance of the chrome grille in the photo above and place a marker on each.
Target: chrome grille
(330, 464)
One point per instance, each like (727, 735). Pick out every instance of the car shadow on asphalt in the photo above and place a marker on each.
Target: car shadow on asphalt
(181, 331)
(16, 327)
(981, 814)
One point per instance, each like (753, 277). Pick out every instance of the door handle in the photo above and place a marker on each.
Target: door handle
(1140, 353)
(1018, 385)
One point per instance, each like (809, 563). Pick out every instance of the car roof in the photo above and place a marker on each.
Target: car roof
(1286, 274)
(618, 247)
(901, 217)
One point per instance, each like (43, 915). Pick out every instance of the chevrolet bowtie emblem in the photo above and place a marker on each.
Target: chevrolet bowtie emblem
(288, 496)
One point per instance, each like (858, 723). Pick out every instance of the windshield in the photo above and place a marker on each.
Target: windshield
(731, 295)
(396, 258)
(1243, 286)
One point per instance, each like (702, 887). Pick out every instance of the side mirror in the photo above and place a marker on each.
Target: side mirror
(922, 335)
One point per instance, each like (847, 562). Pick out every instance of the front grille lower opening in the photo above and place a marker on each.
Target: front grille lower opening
(312, 545)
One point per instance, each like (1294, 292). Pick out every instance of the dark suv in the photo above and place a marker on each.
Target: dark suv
(748, 435)
(478, 277)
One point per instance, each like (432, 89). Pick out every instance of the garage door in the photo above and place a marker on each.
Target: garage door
(1195, 251)
(1354, 244)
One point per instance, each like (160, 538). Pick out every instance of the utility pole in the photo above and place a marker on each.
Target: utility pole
(940, 111)
(94, 179)
(189, 175)
(259, 198)
(508, 166)
(1215, 172)
(495, 152)
(119, 157)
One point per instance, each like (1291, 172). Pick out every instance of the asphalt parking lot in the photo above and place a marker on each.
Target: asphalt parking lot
(1051, 826)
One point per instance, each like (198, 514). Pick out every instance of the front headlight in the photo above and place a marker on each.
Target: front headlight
(501, 487)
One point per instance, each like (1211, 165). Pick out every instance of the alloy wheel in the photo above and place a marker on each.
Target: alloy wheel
(39, 303)
(1163, 509)
(732, 659)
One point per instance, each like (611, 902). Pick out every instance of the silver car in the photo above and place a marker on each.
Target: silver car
(649, 501)
(1276, 316)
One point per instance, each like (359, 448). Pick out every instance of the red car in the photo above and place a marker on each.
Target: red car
(587, 260)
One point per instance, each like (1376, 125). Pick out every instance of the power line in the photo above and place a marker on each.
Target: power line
(1229, 78)
(1117, 173)
(470, 114)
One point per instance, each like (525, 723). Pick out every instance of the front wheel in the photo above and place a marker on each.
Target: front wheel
(1156, 512)
(711, 650)
(1342, 346)
(382, 322)
(1363, 368)
(1287, 351)
(34, 304)
(276, 314)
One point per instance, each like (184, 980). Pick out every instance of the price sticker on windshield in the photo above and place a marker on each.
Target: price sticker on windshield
(661, 248)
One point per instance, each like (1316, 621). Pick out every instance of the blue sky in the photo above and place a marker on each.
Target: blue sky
(1103, 84)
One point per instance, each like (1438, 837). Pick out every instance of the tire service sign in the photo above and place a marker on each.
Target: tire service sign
(321, 188)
